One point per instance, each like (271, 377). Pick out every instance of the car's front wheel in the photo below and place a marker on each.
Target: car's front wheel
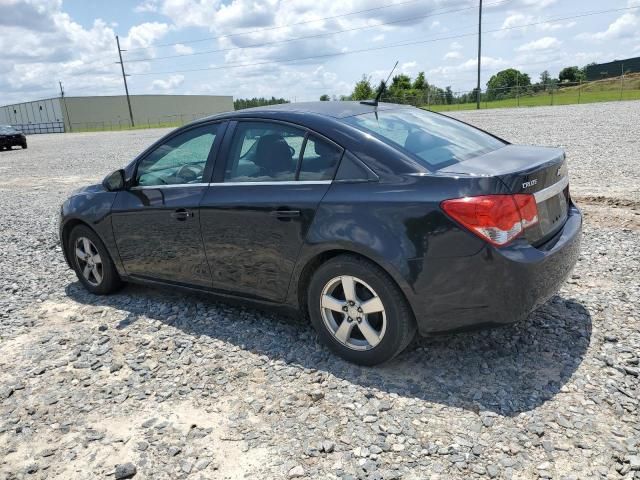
(92, 262)
(358, 311)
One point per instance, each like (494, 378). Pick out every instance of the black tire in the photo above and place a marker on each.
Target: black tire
(110, 280)
(400, 323)
(24, 146)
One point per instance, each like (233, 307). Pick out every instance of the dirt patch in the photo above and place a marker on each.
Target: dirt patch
(610, 213)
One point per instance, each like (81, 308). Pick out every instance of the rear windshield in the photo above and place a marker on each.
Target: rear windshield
(436, 140)
(7, 129)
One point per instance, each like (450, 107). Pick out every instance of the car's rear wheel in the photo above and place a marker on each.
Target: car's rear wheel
(91, 261)
(358, 311)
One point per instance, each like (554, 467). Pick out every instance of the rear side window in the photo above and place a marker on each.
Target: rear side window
(320, 159)
(275, 152)
(436, 140)
(264, 152)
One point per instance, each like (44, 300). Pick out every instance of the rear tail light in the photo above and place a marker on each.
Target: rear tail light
(495, 218)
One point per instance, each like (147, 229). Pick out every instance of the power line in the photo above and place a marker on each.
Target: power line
(317, 35)
(382, 47)
(277, 27)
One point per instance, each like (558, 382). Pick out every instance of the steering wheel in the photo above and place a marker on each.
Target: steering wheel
(292, 150)
(189, 173)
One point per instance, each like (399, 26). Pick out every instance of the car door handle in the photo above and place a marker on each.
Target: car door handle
(285, 213)
(182, 214)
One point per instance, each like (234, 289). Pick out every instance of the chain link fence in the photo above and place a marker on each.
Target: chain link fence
(565, 93)
(164, 121)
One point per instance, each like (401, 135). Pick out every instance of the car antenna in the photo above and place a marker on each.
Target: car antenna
(381, 89)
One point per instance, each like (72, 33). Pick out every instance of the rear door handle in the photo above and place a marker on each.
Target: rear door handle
(285, 213)
(182, 214)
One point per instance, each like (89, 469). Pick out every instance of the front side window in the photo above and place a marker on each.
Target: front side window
(181, 160)
(264, 152)
(436, 140)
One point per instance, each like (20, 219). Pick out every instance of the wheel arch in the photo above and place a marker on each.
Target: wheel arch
(65, 233)
(311, 264)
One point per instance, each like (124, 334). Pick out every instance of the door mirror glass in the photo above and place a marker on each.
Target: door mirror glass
(114, 181)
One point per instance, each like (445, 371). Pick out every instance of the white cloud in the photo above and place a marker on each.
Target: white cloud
(146, 6)
(145, 34)
(455, 46)
(408, 66)
(54, 47)
(452, 55)
(468, 66)
(167, 85)
(510, 23)
(544, 43)
(556, 26)
(625, 26)
(182, 49)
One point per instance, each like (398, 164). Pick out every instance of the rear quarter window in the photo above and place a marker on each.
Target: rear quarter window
(437, 141)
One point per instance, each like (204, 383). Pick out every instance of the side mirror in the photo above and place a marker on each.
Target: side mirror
(114, 181)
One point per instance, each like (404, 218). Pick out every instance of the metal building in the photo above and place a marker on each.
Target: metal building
(68, 114)
(613, 69)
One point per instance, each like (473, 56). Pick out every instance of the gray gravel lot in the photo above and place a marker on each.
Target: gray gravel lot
(171, 385)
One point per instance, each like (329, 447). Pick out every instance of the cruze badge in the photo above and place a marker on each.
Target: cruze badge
(530, 183)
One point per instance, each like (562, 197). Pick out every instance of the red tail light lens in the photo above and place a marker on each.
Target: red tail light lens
(495, 218)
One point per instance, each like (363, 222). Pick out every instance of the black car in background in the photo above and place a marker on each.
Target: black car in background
(375, 221)
(10, 137)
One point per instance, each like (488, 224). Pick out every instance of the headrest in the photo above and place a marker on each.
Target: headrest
(273, 153)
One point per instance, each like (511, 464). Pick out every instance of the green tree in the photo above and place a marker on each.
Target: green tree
(362, 90)
(448, 95)
(241, 103)
(324, 98)
(584, 69)
(571, 74)
(420, 83)
(400, 82)
(544, 77)
(502, 83)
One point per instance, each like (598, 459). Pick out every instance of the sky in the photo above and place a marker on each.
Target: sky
(296, 49)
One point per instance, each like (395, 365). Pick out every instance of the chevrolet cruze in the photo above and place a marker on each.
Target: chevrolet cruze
(373, 221)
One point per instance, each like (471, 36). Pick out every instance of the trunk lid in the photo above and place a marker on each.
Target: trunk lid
(541, 171)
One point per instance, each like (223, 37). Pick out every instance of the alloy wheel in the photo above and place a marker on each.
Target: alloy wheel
(89, 261)
(353, 312)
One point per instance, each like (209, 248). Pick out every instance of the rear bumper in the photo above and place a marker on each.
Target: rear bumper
(496, 285)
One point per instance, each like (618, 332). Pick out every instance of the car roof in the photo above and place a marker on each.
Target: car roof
(326, 109)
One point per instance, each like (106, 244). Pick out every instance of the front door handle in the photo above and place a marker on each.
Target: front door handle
(285, 213)
(182, 214)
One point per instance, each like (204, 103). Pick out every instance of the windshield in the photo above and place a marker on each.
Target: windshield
(7, 129)
(436, 140)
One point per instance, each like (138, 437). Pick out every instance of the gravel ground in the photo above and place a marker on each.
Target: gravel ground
(160, 384)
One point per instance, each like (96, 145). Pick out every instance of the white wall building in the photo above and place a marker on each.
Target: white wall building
(70, 114)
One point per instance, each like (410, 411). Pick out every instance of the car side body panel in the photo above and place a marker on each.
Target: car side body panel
(90, 205)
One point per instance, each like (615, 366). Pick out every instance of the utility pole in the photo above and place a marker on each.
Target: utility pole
(124, 77)
(64, 102)
(479, 53)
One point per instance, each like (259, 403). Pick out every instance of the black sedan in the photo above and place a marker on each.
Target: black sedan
(373, 221)
(10, 137)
